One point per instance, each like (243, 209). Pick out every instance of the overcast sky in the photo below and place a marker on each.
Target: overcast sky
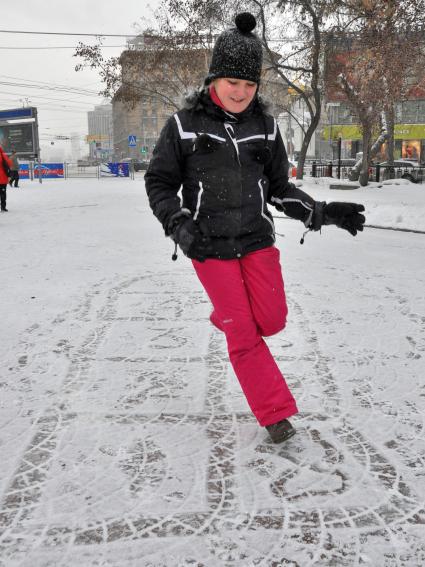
(60, 113)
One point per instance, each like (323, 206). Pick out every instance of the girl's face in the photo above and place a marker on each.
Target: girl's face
(235, 94)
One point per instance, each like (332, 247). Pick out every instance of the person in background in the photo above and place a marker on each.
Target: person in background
(5, 164)
(14, 173)
(226, 151)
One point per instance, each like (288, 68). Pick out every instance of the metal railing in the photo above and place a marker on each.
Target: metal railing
(382, 173)
(376, 172)
(73, 170)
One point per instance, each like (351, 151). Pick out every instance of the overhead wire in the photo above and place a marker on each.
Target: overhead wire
(41, 82)
(84, 95)
(51, 87)
(70, 33)
(81, 92)
(129, 36)
(12, 48)
(37, 96)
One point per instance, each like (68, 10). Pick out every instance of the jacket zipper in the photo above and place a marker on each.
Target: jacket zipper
(231, 134)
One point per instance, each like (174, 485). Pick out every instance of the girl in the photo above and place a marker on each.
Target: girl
(228, 154)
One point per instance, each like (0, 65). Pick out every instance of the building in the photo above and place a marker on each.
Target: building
(409, 129)
(156, 73)
(100, 132)
(339, 121)
(293, 123)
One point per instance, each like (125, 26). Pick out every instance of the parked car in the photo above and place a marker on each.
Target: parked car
(138, 164)
(402, 162)
(404, 169)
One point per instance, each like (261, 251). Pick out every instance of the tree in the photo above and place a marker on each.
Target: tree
(295, 60)
(300, 67)
(158, 65)
(180, 21)
(372, 58)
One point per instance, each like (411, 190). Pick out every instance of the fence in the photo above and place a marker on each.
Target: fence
(74, 170)
(110, 169)
(382, 173)
(376, 172)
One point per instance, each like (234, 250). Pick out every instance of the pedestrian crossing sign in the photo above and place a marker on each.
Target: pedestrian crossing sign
(132, 141)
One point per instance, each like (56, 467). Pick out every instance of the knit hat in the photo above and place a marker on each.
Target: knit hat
(237, 53)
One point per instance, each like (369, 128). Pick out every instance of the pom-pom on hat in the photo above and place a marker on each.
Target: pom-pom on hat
(237, 53)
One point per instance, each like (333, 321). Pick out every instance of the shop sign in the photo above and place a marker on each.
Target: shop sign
(409, 131)
(353, 132)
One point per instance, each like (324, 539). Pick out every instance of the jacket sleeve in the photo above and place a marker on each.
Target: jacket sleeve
(283, 194)
(164, 175)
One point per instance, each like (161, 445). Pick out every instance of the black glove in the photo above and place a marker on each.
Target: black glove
(192, 237)
(343, 215)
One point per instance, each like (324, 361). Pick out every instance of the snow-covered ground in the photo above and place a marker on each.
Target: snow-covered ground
(124, 438)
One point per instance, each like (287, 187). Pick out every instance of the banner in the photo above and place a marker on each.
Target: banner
(48, 171)
(114, 169)
(24, 172)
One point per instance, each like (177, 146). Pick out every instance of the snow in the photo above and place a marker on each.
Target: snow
(124, 437)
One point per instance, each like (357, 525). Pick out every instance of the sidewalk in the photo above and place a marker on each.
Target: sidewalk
(125, 440)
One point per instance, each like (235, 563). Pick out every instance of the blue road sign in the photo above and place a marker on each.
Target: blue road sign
(132, 141)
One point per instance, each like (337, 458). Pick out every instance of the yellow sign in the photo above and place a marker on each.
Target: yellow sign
(353, 132)
(346, 132)
(96, 138)
(409, 131)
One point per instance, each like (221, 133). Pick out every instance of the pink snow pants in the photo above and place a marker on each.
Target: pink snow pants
(249, 303)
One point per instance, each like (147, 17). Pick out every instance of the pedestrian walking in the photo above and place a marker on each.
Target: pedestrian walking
(226, 152)
(5, 168)
(14, 174)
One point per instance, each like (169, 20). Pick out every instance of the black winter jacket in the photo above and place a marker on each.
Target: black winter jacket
(230, 167)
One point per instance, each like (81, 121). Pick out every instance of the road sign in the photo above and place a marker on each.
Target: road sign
(132, 141)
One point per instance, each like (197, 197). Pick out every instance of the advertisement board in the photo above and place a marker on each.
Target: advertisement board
(48, 171)
(24, 172)
(114, 169)
(18, 137)
(19, 131)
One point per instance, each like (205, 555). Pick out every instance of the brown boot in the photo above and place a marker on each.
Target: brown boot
(280, 431)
